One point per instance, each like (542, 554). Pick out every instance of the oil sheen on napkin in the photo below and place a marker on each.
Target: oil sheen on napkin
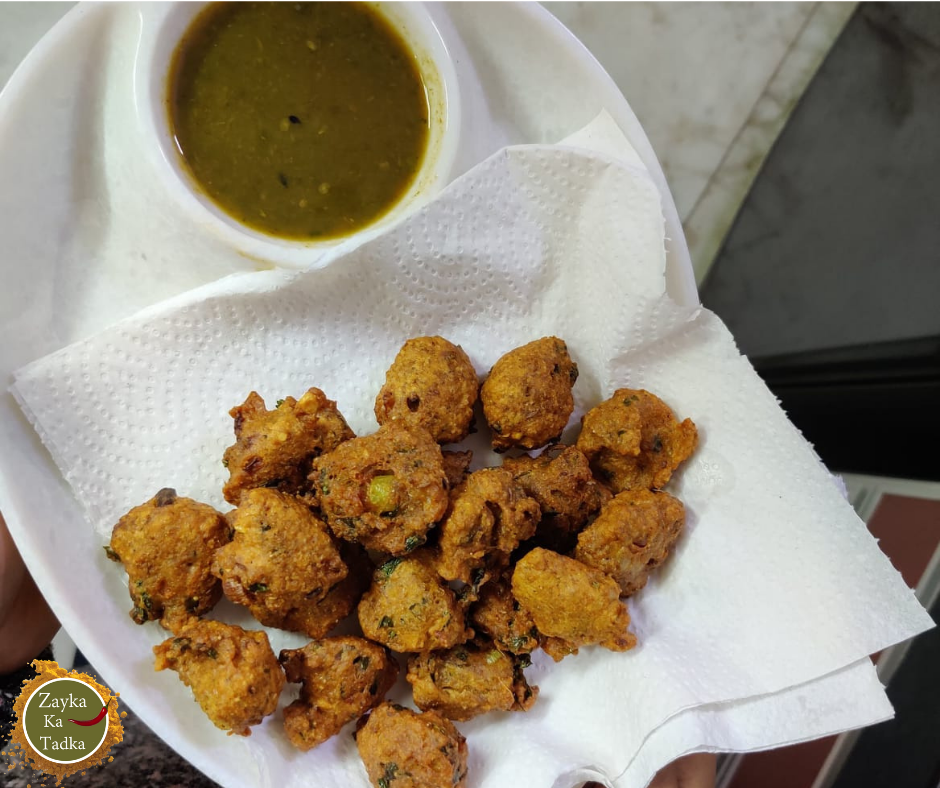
(757, 630)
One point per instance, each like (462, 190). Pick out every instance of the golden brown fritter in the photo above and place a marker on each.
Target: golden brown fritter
(233, 673)
(566, 490)
(634, 440)
(631, 536)
(166, 546)
(282, 558)
(431, 385)
(384, 491)
(318, 618)
(467, 681)
(409, 608)
(503, 619)
(558, 648)
(489, 516)
(527, 397)
(275, 448)
(342, 678)
(403, 749)
(572, 601)
(456, 466)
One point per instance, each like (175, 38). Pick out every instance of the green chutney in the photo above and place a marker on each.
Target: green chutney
(300, 120)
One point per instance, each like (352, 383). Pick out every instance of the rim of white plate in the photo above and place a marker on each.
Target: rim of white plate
(679, 279)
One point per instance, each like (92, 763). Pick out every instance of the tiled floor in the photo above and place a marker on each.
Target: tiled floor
(838, 242)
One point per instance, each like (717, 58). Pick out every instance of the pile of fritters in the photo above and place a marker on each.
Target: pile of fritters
(464, 574)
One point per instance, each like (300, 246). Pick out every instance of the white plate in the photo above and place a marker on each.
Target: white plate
(87, 236)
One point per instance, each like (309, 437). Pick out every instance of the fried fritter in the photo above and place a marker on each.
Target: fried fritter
(281, 559)
(342, 678)
(166, 546)
(500, 617)
(274, 448)
(318, 618)
(403, 749)
(384, 491)
(410, 609)
(467, 681)
(456, 466)
(489, 516)
(233, 673)
(634, 440)
(632, 536)
(431, 385)
(566, 490)
(572, 601)
(558, 648)
(527, 397)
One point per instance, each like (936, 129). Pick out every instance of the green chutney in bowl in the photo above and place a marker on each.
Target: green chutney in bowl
(286, 130)
(300, 120)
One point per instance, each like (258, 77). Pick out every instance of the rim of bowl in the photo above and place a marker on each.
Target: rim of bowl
(162, 28)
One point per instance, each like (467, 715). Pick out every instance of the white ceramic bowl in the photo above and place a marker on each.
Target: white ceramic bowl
(162, 27)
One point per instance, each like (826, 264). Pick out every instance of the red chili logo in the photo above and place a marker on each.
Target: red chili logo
(96, 720)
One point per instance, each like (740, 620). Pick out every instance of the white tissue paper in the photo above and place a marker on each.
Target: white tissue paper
(755, 633)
